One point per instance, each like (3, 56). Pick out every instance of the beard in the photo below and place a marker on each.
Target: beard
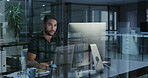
(47, 32)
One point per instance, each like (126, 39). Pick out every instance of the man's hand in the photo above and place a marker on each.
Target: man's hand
(31, 62)
(45, 64)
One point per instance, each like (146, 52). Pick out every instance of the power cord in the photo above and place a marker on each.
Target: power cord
(52, 67)
(97, 59)
(110, 68)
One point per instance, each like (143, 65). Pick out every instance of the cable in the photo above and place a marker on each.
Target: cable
(111, 68)
(1, 64)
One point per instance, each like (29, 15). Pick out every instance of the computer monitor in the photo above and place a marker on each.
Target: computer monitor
(84, 34)
(91, 33)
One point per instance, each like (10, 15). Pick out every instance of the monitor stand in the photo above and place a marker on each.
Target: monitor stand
(97, 63)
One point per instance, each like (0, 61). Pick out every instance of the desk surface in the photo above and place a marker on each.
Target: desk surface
(125, 66)
(117, 68)
(27, 74)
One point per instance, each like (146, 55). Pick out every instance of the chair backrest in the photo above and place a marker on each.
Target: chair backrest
(23, 58)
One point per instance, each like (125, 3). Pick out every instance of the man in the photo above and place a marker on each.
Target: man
(41, 47)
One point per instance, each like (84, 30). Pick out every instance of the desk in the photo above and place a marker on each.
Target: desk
(10, 52)
(122, 68)
(29, 73)
(128, 68)
(8, 44)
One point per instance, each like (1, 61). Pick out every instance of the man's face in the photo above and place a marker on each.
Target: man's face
(50, 27)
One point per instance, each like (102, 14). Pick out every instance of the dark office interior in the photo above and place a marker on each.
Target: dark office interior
(125, 43)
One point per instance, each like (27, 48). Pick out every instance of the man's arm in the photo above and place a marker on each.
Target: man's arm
(31, 61)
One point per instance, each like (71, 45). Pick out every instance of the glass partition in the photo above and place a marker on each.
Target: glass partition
(125, 46)
(125, 51)
(13, 34)
(40, 9)
(79, 13)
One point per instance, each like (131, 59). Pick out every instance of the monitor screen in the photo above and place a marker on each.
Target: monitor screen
(83, 34)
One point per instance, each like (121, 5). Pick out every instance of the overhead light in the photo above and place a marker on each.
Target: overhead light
(8, 0)
(43, 5)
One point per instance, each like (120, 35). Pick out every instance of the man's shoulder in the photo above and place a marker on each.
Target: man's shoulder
(56, 37)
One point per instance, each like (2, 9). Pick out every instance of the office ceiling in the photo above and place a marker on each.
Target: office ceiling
(108, 2)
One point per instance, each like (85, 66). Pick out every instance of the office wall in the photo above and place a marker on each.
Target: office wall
(134, 13)
(128, 13)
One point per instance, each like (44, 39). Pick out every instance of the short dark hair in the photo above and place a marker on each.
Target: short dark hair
(47, 17)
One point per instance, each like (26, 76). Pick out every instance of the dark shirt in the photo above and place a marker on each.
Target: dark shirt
(44, 49)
